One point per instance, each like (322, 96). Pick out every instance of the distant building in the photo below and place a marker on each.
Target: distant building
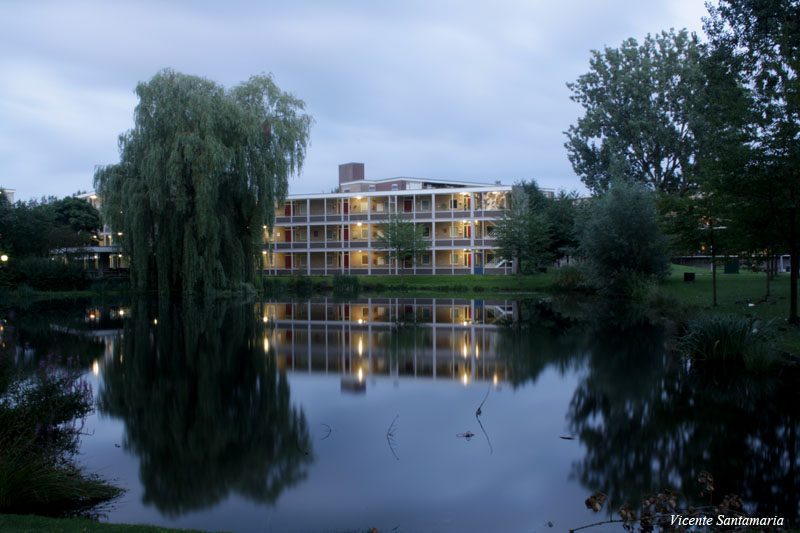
(336, 233)
(9, 194)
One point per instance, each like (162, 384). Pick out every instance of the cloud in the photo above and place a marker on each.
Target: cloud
(458, 90)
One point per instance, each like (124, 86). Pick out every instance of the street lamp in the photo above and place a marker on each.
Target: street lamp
(4, 258)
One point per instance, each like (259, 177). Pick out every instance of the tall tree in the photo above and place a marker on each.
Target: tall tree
(523, 233)
(402, 239)
(199, 175)
(636, 123)
(764, 35)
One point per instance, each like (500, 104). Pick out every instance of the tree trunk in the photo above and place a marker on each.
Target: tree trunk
(793, 259)
(713, 271)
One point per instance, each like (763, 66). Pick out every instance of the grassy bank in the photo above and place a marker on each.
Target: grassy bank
(31, 523)
(740, 294)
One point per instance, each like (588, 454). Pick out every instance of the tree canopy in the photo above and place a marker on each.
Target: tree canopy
(523, 232)
(620, 240)
(199, 176)
(762, 40)
(402, 239)
(637, 122)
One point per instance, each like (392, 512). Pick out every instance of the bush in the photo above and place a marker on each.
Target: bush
(301, 285)
(39, 439)
(568, 278)
(346, 285)
(727, 339)
(46, 274)
(619, 240)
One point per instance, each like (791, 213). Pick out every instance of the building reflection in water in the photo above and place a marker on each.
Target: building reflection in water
(420, 337)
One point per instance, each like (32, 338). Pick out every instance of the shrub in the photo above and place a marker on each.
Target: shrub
(346, 285)
(301, 285)
(39, 439)
(568, 278)
(620, 240)
(727, 339)
(47, 275)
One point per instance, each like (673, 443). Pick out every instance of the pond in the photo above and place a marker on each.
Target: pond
(406, 414)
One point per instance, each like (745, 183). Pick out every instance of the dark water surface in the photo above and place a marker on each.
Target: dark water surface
(327, 416)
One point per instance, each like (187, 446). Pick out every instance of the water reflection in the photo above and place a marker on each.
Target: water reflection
(204, 395)
(205, 409)
(439, 338)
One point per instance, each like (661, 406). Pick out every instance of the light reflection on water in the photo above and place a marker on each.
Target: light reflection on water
(327, 415)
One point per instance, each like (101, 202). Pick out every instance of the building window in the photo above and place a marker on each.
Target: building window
(456, 231)
(380, 260)
(455, 312)
(489, 230)
(425, 204)
(426, 259)
(426, 231)
(365, 312)
(426, 312)
(301, 208)
(394, 187)
(454, 259)
(371, 188)
(303, 260)
(330, 234)
(329, 259)
(365, 259)
(316, 233)
(364, 233)
(454, 203)
(347, 190)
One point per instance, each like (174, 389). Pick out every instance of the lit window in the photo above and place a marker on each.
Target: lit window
(364, 259)
(454, 260)
(394, 186)
(364, 233)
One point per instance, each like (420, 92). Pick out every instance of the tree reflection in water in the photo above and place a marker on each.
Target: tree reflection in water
(649, 421)
(205, 409)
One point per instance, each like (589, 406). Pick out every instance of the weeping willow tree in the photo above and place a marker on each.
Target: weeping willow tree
(198, 178)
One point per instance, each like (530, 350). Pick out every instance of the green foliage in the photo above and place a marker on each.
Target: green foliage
(39, 439)
(637, 122)
(36, 228)
(620, 240)
(568, 278)
(346, 285)
(761, 41)
(300, 285)
(199, 175)
(43, 274)
(402, 239)
(727, 339)
(523, 233)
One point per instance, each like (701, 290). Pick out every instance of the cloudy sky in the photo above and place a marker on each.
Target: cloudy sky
(460, 90)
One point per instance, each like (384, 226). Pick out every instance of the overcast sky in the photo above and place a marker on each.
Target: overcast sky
(461, 90)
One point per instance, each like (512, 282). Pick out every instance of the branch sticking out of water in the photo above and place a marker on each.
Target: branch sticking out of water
(390, 438)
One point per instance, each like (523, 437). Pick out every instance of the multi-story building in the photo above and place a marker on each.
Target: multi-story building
(8, 194)
(337, 233)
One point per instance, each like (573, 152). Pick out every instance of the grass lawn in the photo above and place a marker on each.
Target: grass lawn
(740, 294)
(31, 523)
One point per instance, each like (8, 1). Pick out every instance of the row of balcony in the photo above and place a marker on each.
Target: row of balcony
(418, 215)
(443, 205)
(360, 243)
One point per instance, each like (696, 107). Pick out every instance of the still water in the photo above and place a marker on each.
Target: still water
(406, 415)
